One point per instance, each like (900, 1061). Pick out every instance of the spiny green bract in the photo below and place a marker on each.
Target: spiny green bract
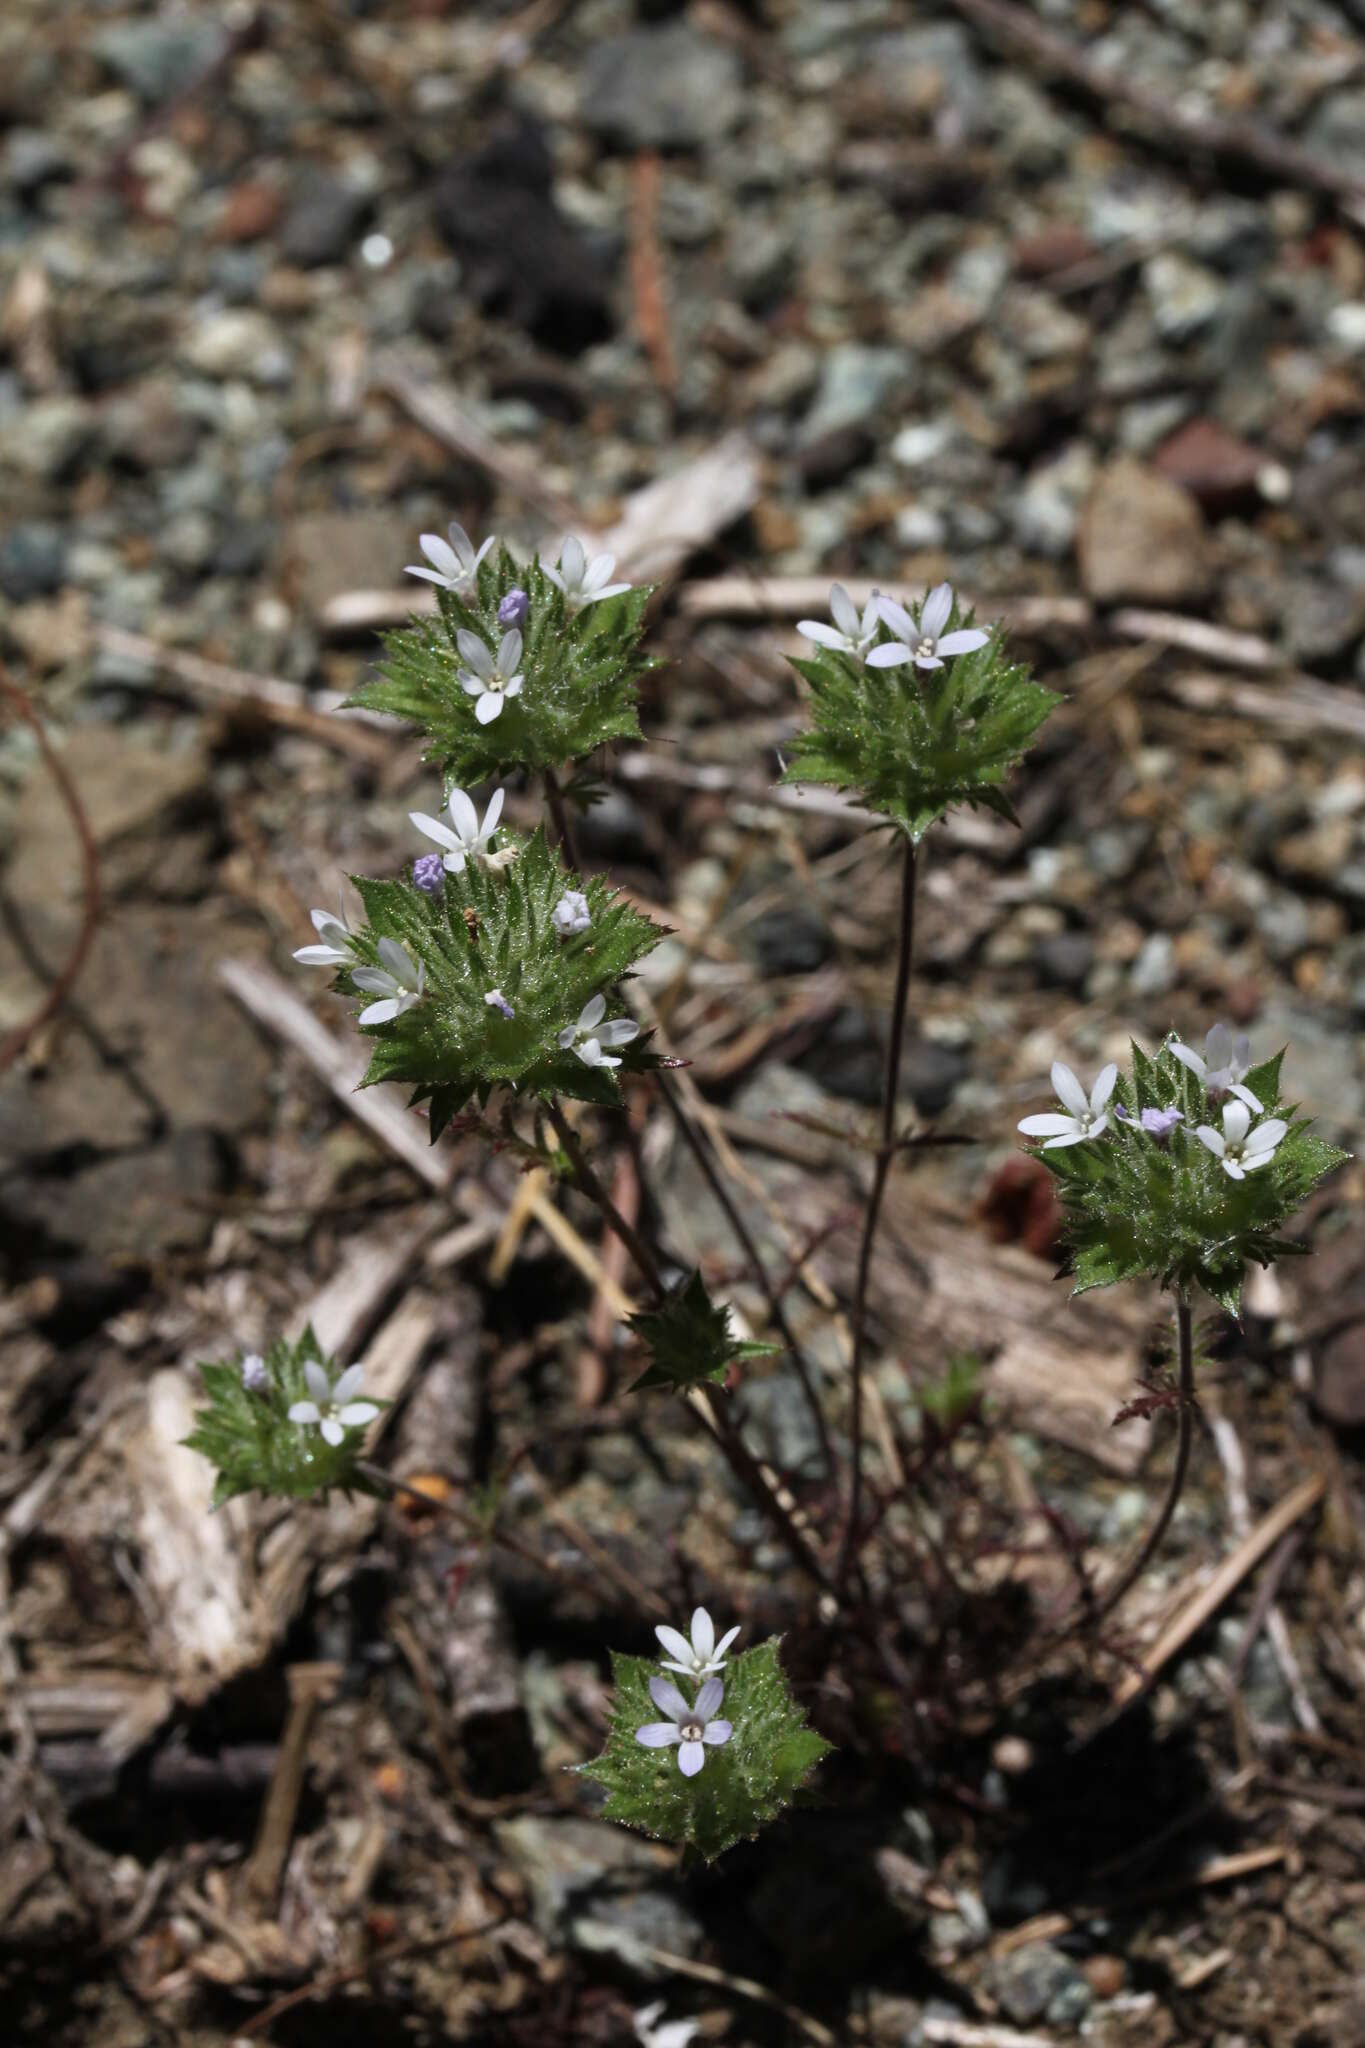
(743, 1782)
(495, 931)
(689, 1338)
(253, 1444)
(1167, 1211)
(910, 742)
(580, 673)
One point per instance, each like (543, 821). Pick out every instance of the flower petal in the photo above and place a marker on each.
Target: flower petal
(1068, 1089)
(1187, 1057)
(509, 653)
(428, 575)
(1215, 1140)
(304, 1411)
(723, 1645)
(380, 1013)
(351, 1381)
(1049, 1123)
(319, 1386)
(1234, 1169)
(657, 1734)
(1071, 1137)
(938, 609)
(620, 1031)
(1267, 1135)
(488, 707)
(1103, 1088)
(891, 655)
(717, 1731)
(708, 1699)
(897, 618)
(592, 1012)
(927, 661)
(474, 650)
(1236, 1122)
(463, 816)
(824, 635)
(332, 1431)
(612, 590)
(357, 1413)
(965, 641)
(668, 1699)
(432, 828)
(1219, 1046)
(321, 956)
(373, 980)
(493, 813)
(691, 1757)
(703, 1634)
(1244, 1094)
(441, 555)
(675, 1642)
(844, 612)
(1251, 1160)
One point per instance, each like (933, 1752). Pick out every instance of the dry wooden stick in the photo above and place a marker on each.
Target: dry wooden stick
(707, 1973)
(23, 1034)
(1173, 123)
(1206, 1601)
(647, 271)
(269, 697)
(309, 1686)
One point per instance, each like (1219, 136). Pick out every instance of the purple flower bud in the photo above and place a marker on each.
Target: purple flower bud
(255, 1374)
(1161, 1122)
(513, 609)
(429, 874)
(496, 1000)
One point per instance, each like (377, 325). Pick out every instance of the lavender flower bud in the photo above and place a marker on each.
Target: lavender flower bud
(514, 607)
(255, 1374)
(496, 1000)
(571, 914)
(429, 874)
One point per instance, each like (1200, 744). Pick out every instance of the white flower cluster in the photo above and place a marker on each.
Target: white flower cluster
(922, 641)
(691, 1726)
(1222, 1068)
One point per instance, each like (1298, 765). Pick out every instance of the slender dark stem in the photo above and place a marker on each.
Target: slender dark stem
(559, 811)
(1151, 1543)
(742, 1461)
(890, 1091)
(734, 1216)
(597, 1194)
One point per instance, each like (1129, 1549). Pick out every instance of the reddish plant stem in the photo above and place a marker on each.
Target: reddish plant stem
(1151, 1543)
(885, 1155)
(742, 1461)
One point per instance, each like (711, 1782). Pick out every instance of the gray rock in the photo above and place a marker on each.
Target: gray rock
(1064, 959)
(158, 58)
(1141, 537)
(50, 437)
(777, 1413)
(762, 261)
(856, 383)
(1185, 296)
(1320, 1069)
(939, 60)
(1337, 131)
(1038, 1982)
(1321, 620)
(1044, 514)
(32, 561)
(662, 88)
(238, 341)
(324, 218)
(1154, 971)
(32, 158)
(600, 1888)
(128, 1207)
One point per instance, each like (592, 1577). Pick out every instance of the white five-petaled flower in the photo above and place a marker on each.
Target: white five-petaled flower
(398, 983)
(703, 1655)
(689, 1726)
(587, 1040)
(454, 564)
(1237, 1148)
(1223, 1066)
(469, 840)
(924, 641)
(488, 677)
(332, 1408)
(571, 914)
(334, 934)
(849, 634)
(1086, 1118)
(583, 582)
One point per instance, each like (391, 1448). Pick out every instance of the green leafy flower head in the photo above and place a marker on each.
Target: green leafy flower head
(1181, 1172)
(914, 714)
(522, 667)
(287, 1423)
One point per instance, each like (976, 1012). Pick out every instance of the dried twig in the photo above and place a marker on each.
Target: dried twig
(1204, 1603)
(1172, 122)
(309, 1686)
(646, 271)
(707, 1973)
(23, 1034)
